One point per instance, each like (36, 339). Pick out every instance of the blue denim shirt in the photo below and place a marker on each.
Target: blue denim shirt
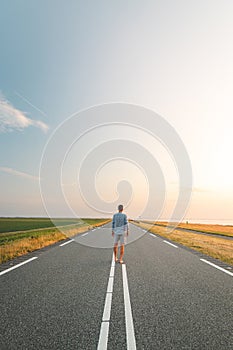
(119, 223)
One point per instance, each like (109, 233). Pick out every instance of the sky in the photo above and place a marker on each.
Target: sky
(61, 57)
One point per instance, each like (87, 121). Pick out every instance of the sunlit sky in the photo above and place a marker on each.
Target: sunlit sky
(172, 57)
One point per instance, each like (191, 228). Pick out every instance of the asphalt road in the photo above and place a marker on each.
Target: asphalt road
(74, 297)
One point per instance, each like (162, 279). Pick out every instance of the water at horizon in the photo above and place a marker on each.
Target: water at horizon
(210, 221)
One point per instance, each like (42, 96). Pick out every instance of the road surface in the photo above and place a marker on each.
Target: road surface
(73, 296)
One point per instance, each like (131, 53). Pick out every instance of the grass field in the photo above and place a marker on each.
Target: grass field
(16, 241)
(223, 230)
(217, 247)
(22, 224)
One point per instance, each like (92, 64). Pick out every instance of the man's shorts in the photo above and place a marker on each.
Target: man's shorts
(119, 237)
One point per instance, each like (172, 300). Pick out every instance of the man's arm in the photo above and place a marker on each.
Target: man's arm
(113, 224)
(126, 224)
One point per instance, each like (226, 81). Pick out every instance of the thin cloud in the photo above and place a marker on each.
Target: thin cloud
(30, 104)
(18, 173)
(14, 119)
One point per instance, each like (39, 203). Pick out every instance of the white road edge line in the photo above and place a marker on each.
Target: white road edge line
(173, 245)
(18, 265)
(71, 240)
(217, 267)
(130, 336)
(104, 329)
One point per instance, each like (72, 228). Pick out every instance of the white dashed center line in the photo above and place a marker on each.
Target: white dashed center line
(104, 330)
(103, 337)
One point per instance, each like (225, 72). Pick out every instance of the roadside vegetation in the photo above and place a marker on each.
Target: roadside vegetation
(18, 242)
(22, 224)
(223, 230)
(217, 247)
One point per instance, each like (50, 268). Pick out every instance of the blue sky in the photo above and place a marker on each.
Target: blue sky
(174, 57)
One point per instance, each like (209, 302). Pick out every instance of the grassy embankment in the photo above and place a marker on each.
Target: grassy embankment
(217, 247)
(223, 230)
(19, 236)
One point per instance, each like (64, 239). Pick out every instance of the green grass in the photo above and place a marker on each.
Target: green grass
(13, 229)
(23, 224)
(93, 221)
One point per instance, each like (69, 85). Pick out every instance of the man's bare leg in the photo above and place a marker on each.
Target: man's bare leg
(122, 253)
(115, 249)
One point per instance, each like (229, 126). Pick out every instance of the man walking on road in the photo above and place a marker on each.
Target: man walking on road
(120, 226)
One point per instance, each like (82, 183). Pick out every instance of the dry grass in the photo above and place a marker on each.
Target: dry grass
(216, 247)
(13, 249)
(25, 245)
(206, 228)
